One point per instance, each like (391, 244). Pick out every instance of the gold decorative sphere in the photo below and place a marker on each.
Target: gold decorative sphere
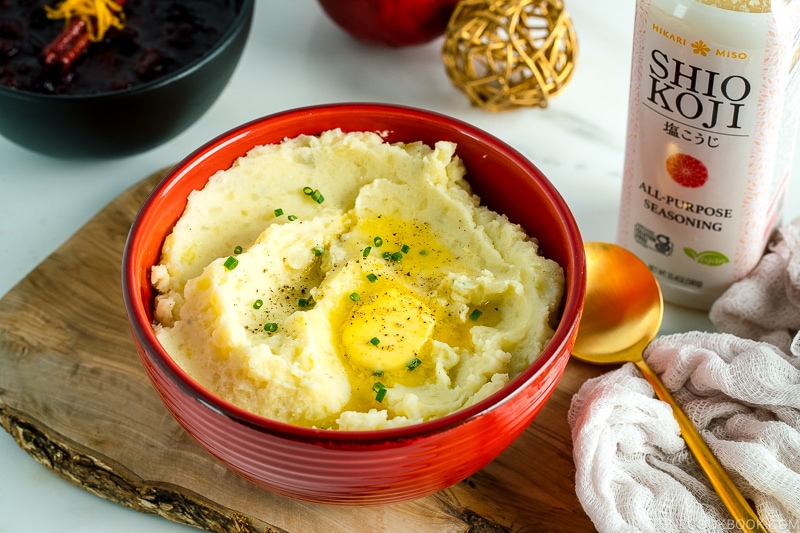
(505, 54)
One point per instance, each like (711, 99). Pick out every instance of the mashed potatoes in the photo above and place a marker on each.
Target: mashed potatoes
(343, 282)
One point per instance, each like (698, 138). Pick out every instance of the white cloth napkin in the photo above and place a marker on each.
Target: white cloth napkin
(633, 470)
(739, 387)
(766, 304)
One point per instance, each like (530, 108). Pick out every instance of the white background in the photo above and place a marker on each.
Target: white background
(297, 57)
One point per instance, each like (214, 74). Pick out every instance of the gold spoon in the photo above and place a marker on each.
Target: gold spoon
(622, 314)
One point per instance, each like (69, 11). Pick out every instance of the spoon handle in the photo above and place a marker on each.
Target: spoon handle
(746, 518)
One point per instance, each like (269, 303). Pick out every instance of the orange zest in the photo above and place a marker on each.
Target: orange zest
(98, 15)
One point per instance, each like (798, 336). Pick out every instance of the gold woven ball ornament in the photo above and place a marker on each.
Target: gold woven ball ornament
(505, 54)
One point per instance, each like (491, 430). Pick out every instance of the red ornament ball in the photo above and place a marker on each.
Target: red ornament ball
(391, 23)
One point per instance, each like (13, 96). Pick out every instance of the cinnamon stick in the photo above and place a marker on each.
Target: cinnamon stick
(69, 44)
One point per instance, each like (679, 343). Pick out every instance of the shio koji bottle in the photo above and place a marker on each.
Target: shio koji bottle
(712, 125)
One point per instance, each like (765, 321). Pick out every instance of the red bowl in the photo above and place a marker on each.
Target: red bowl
(360, 467)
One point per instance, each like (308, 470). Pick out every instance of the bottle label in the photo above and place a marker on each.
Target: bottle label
(711, 130)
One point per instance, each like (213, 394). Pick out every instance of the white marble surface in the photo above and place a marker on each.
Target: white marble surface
(296, 57)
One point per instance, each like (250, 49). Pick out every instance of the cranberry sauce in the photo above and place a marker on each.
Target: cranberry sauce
(159, 37)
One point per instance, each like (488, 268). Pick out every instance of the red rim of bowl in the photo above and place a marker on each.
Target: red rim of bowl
(140, 319)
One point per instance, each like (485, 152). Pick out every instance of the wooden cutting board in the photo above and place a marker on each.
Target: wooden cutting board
(75, 397)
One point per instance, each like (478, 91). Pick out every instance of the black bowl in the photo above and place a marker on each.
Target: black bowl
(128, 121)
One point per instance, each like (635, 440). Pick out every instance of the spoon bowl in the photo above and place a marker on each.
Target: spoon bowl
(622, 313)
(624, 310)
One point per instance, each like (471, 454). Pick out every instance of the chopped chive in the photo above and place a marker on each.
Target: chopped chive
(355, 296)
(387, 255)
(314, 194)
(278, 212)
(271, 327)
(374, 341)
(397, 256)
(379, 390)
(377, 373)
(237, 250)
(258, 303)
(292, 217)
(372, 277)
(366, 251)
(405, 248)
(423, 252)
(318, 251)
(231, 262)
(377, 241)
(305, 302)
(414, 363)
(475, 314)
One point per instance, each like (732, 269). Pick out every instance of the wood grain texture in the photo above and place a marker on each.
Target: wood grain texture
(74, 396)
